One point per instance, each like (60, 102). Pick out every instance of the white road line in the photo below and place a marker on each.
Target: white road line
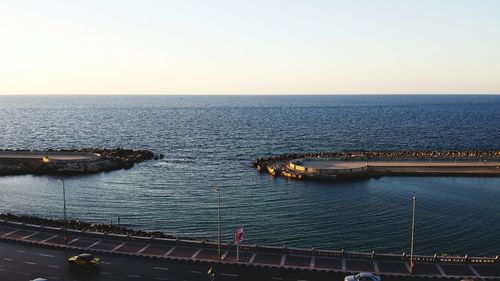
(28, 262)
(283, 259)
(343, 265)
(313, 262)
(474, 271)
(53, 266)
(375, 266)
(224, 255)
(9, 233)
(160, 268)
(229, 274)
(105, 262)
(133, 276)
(73, 241)
(48, 239)
(7, 259)
(31, 235)
(169, 252)
(20, 251)
(252, 258)
(195, 254)
(95, 243)
(118, 247)
(195, 272)
(143, 249)
(440, 269)
(45, 255)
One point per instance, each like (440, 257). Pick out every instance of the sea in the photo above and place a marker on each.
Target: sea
(211, 141)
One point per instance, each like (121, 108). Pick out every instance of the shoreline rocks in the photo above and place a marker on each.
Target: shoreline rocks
(85, 226)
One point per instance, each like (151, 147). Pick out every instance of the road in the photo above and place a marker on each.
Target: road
(25, 262)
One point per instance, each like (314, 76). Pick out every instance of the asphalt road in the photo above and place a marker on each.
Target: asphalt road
(26, 262)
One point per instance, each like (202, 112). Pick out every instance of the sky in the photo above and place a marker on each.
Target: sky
(249, 47)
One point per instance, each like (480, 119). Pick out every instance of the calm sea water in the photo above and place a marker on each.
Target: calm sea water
(211, 140)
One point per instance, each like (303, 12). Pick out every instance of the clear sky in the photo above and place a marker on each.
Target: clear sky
(252, 46)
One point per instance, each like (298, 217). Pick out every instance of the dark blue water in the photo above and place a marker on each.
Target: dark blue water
(211, 140)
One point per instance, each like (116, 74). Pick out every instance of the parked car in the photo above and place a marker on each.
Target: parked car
(84, 260)
(363, 276)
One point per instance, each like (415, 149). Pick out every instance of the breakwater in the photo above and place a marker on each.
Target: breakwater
(75, 161)
(363, 164)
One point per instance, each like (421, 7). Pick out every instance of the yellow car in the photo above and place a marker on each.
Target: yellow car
(84, 260)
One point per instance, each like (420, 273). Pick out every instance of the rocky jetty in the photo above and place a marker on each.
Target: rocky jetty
(70, 161)
(277, 165)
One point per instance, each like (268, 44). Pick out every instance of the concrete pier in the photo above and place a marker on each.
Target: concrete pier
(318, 168)
(69, 162)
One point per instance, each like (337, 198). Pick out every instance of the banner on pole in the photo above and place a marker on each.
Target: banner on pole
(238, 235)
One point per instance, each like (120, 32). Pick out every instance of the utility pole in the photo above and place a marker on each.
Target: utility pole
(412, 263)
(64, 207)
(217, 189)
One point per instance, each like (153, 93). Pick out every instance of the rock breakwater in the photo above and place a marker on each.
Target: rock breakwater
(70, 161)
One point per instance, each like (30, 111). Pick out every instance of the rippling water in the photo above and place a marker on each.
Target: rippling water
(211, 140)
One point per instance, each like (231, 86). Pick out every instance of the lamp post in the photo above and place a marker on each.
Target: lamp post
(412, 263)
(64, 206)
(217, 189)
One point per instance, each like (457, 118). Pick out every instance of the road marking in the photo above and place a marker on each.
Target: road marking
(73, 241)
(45, 255)
(160, 268)
(375, 266)
(20, 251)
(30, 235)
(53, 266)
(224, 255)
(313, 262)
(7, 234)
(440, 269)
(48, 239)
(252, 258)
(343, 265)
(7, 259)
(105, 262)
(229, 274)
(161, 278)
(143, 249)
(95, 243)
(283, 259)
(133, 276)
(169, 252)
(195, 272)
(28, 262)
(474, 271)
(195, 254)
(118, 247)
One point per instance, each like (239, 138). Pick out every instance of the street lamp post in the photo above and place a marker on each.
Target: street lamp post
(412, 263)
(217, 189)
(64, 206)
